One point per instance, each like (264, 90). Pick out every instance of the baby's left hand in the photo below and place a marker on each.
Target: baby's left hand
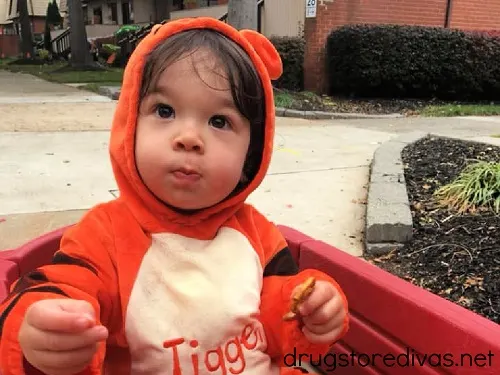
(323, 313)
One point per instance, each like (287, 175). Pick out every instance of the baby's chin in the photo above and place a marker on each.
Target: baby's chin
(185, 204)
(188, 208)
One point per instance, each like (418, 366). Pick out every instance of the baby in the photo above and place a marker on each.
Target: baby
(178, 275)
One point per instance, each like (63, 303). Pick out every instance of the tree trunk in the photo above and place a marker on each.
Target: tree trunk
(242, 14)
(80, 50)
(26, 34)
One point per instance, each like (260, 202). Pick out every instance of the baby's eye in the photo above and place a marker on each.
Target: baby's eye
(164, 110)
(218, 122)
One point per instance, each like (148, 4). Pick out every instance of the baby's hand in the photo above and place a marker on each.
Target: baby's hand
(59, 336)
(323, 314)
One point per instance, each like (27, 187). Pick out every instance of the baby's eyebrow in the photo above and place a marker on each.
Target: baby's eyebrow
(225, 101)
(159, 89)
(221, 97)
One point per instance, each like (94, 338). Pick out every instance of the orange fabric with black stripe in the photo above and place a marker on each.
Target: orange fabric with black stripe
(179, 294)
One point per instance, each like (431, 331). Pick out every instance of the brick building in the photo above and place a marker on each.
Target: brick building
(459, 14)
(9, 24)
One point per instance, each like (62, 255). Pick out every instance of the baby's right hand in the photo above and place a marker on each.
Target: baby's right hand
(59, 336)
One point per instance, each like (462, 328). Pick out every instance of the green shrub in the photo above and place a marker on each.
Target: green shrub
(44, 54)
(412, 61)
(291, 50)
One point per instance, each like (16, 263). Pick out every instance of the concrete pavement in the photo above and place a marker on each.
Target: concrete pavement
(28, 103)
(25, 88)
(315, 182)
(54, 163)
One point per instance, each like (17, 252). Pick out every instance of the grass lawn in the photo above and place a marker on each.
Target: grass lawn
(60, 72)
(5, 61)
(461, 110)
(283, 100)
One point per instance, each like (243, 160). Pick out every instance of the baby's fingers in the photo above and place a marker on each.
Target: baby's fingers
(325, 318)
(70, 362)
(60, 316)
(321, 294)
(323, 338)
(57, 342)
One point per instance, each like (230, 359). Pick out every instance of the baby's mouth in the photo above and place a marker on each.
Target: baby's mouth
(187, 171)
(186, 174)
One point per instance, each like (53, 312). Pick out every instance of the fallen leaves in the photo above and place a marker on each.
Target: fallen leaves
(464, 301)
(385, 257)
(358, 201)
(474, 281)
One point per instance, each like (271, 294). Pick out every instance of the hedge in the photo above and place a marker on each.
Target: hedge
(412, 61)
(291, 50)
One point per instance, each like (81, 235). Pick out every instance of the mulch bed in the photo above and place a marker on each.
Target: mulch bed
(456, 256)
(304, 101)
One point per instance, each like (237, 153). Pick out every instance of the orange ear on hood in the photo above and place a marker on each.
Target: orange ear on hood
(266, 51)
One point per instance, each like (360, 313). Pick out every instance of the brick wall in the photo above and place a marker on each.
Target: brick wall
(9, 45)
(38, 24)
(475, 14)
(465, 14)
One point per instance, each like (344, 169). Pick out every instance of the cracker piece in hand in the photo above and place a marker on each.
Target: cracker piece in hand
(301, 293)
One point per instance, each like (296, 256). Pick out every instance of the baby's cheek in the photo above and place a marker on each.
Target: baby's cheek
(227, 174)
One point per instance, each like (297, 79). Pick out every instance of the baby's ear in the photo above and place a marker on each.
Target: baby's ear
(266, 51)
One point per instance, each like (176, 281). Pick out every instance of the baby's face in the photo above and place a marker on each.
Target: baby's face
(191, 141)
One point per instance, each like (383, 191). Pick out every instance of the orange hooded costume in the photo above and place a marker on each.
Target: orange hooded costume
(180, 294)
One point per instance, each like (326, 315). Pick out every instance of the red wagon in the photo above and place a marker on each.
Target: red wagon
(396, 327)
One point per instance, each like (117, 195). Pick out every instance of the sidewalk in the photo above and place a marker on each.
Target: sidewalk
(18, 87)
(315, 182)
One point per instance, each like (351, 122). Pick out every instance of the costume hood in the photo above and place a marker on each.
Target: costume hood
(154, 215)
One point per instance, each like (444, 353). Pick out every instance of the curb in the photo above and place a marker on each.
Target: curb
(113, 92)
(321, 115)
(389, 222)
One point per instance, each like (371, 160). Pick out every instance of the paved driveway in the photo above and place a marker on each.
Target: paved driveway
(317, 180)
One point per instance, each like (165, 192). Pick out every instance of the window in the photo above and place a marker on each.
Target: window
(127, 13)
(97, 15)
(113, 10)
(178, 5)
(85, 14)
(207, 3)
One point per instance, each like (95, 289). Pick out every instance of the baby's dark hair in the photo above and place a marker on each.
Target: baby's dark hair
(244, 81)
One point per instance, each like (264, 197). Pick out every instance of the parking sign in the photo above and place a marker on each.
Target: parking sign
(311, 8)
